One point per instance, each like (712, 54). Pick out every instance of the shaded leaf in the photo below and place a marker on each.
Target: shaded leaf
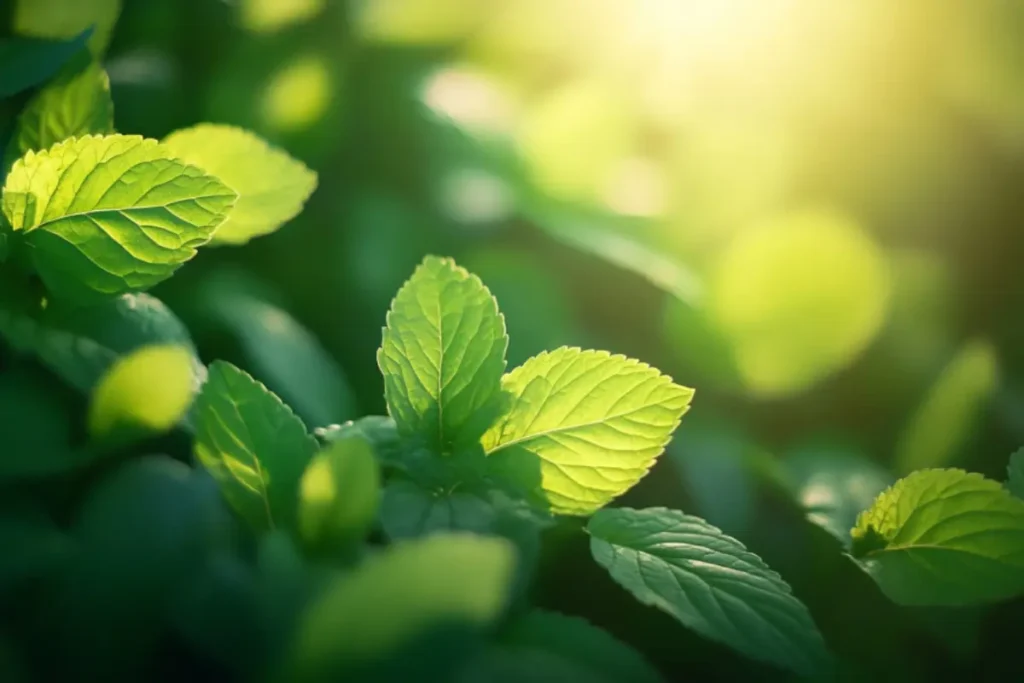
(26, 62)
(1015, 474)
(253, 445)
(709, 582)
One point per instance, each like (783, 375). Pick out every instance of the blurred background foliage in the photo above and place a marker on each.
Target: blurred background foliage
(809, 211)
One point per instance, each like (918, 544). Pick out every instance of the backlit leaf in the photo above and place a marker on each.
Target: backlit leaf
(66, 18)
(709, 582)
(272, 187)
(583, 427)
(944, 537)
(339, 494)
(104, 215)
(405, 593)
(146, 391)
(253, 445)
(443, 355)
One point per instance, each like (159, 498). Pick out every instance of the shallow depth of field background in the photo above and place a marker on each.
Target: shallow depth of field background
(809, 211)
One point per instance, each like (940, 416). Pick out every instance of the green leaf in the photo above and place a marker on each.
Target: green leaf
(518, 664)
(77, 103)
(104, 215)
(379, 431)
(253, 445)
(944, 538)
(709, 582)
(27, 62)
(65, 18)
(1015, 474)
(33, 545)
(272, 187)
(443, 355)
(409, 510)
(583, 427)
(339, 494)
(577, 640)
(37, 427)
(834, 487)
(80, 344)
(145, 392)
(279, 351)
(945, 420)
(399, 596)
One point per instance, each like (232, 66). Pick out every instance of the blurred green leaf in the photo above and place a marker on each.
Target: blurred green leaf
(95, 214)
(709, 582)
(269, 16)
(834, 487)
(946, 419)
(272, 187)
(408, 510)
(799, 297)
(442, 356)
(578, 641)
(33, 546)
(944, 538)
(1015, 474)
(26, 62)
(514, 664)
(67, 18)
(36, 429)
(145, 392)
(253, 445)
(77, 103)
(279, 350)
(582, 428)
(340, 493)
(407, 592)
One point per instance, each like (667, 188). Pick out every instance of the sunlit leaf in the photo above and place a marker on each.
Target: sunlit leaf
(144, 392)
(271, 186)
(340, 492)
(709, 582)
(104, 215)
(415, 22)
(445, 581)
(944, 537)
(75, 104)
(270, 16)
(945, 420)
(582, 428)
(67, 18)
(253, 445)
(442, 356)
(799, 297)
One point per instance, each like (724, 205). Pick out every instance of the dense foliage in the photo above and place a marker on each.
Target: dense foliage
(208, 489)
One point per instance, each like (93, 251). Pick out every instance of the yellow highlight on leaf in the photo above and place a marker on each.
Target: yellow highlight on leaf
(297, 95)
(798, 298)
(268, 16)
(148, 390)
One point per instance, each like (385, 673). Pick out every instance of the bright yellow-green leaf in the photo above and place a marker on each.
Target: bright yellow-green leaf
(799, 297)
(944, 537)
(339, 493)
(419, 22)
(272, 186)
(77, 103)
(583, 427)
(442, 356)
(104, 215)
(297, 95)
(269, 16)
(253, 445)
(709, 582)
(946, 418)
(399, 595)
(148, 390)
(66, 18)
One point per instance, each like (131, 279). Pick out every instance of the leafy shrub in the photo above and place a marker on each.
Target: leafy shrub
(398, 547)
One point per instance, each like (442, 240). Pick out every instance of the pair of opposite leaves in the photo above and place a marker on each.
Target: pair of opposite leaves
(103, 214)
